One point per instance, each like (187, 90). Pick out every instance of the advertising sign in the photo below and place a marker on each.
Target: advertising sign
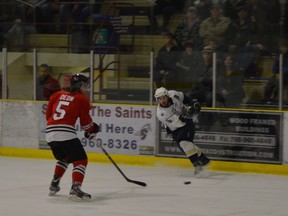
(123, 129)
(229, 135)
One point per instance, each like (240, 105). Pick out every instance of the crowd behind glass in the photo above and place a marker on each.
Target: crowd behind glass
(215, 46)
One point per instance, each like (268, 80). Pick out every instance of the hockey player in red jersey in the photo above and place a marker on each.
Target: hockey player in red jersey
(63, 110)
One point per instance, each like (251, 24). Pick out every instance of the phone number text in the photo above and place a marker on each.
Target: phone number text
(268, 141)
(111, 143)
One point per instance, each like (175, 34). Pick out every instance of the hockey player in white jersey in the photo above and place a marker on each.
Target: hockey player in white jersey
(176, 111)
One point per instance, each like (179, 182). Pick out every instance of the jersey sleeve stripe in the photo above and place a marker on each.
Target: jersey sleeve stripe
(86, 127)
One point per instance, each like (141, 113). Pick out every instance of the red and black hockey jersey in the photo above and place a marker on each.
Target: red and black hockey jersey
(62, 113)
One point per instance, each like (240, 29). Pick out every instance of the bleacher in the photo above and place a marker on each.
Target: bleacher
(134, 66)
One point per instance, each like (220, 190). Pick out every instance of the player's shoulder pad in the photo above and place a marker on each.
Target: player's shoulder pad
(176, 95)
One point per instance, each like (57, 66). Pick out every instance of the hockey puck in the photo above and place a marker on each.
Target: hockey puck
(187, 182)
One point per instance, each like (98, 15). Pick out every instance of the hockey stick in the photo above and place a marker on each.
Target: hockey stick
(143, 184)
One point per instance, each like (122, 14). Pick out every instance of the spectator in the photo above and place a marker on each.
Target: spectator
(219, 49)
(284, 19)
(205, 79)
(165, 67)
(58, 18)
(23, 25)
(271, 93)
(46, 84)
(203, 8)
(65, 8)
(266, 18)
(204, 86)
(78, 11)
(166, 8)
(216, 26)
(246, 42)
(44, 16)
(241, 28)
(230, 8)
(258, 11)
(241, 32)
(188, 29)
(81, 12)
(229, 83)
(187, 68)
(62, 19)
(6, 16)
(274, 22)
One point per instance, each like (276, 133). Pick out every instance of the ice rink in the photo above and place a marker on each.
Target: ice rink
(24, 191)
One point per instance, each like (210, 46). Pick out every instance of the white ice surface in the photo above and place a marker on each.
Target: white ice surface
(24, 191)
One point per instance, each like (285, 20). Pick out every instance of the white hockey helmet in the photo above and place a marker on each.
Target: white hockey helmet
(160, 92)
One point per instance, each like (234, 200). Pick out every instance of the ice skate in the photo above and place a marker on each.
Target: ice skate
(54, 187)
(200, 167)
(204, 162)
(77, 194)
(197, 170)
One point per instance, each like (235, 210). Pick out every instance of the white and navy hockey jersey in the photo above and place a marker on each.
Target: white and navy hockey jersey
(170, 115)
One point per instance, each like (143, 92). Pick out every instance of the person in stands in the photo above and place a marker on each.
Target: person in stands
(46, 84)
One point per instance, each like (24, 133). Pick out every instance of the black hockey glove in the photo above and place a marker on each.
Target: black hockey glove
(168, 130)
(93, 133)
(193, 109)
(90, 136)
(96, 128)
(184, 118)
(196, 107)
(190, 111)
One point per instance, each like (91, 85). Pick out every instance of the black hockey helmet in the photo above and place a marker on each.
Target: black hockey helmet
(78, 80)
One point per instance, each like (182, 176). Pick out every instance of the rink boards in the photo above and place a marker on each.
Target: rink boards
(131, 133)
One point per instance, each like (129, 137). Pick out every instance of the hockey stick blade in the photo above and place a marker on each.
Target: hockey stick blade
(143, 184)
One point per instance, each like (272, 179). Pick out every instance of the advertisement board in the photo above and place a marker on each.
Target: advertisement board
(231, 135)
(123, 129)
